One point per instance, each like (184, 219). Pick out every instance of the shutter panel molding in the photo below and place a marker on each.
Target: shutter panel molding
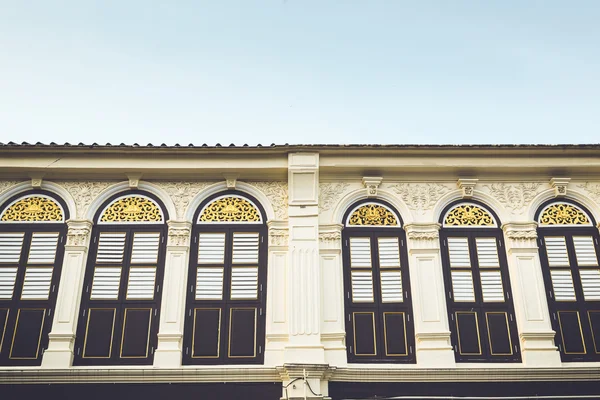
(487, 252)
(36, 285)
(141, 283)
(360, 252)
(211, 248)
(43, 248)
(590, 281)
(244, 283)
(391, 287)
(462, 286)
(362, 286)
(11, 245)
(585, 251)
(458, 249)
(111, 247)
(556, 249)
(145, 248)
(8, 276)
(209, 283)
(491, 286)
(389, 252)
(562, 284)
(245, 248)
(106, 283)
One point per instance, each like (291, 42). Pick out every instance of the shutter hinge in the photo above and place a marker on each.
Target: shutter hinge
(559, 348)
(157, 288)
(401, 242)
(53, 287)
(511, 317)
(351, 350)
(554, 315)
(61, 238)
(261, 287)
(452, 317)
(190, 313)
(162, 239)
(84, 312)
(499, 242)
(540, 242)
(155, 311)
(187, 350)
(516, 350)
(348, 293)
(348, 317)
(259, 349)
(444, 242)
(49, 312)
(596, 239)
(78, 350)
(410, 349)
(408, 317)
(406, 294)
(347, 246)
(260, 312)
(508, 295)
(550, 293)
(196, 239)
(192, 289)
(450, 295)
(152, 350)
(262, 238)
(455, 348)
(95, 237)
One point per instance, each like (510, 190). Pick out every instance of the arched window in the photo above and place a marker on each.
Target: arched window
(379, 321)
(120, 305)
(32, 236)
(478, 294)
(225, 313)
(569, 257)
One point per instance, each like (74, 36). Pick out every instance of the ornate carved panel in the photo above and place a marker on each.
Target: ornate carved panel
(277, 193)
(371, 214)
(515, 196)
(563, 214)
(468, 215)
(420, 197)
(33, 208)
(84, 193)
(132, 209)
(230, 209)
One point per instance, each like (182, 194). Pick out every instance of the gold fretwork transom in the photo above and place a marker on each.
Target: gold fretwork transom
(563, 214)
(131, 209)
(34, 208)
(230, 209)
(469, 215)
(372, 214)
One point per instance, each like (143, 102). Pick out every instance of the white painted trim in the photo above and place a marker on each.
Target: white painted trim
(46, 185)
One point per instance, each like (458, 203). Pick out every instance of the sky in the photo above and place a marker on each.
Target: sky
(300, 71)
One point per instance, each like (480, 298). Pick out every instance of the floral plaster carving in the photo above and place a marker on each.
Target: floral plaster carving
(182, 192)
(330, 236)
(5, 185)
(430, 235)
(78, 236)
(515, 196)
(278, 237)
(329, 193)
(277, 193)
(420, 197)
(593, 190)
(84, 192)
(179, 236)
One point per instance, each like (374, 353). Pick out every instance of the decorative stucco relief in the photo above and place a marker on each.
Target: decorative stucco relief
(84, 192)
(330, 236)
(277, 193)
(181, 193)
(78, 236)
(179, 236)
(420, 197)
(278, 237)
(592, 189)
(514, 196)
(329, 193)
(5, 185)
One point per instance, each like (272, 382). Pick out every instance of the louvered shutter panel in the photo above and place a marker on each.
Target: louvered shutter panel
(487, 252)
(141, 283)
(362, 286)
(391, 286)
(462, 286)
(209, 283)
(10, 247)
(491, 286)
(43, 248)
(458, 249)
(389, 252)
(8, 275)
(145, 248)
(244, 283)
(360, 252)
(36, 285)
(562, 284)
(106, 283)
(590, 281)
(585, 251)
(245, 248)
(211, 248)
(111, 247)
(556, 249)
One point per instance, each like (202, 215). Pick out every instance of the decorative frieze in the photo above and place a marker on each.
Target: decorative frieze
(83, 193)
(592, 189)
(330, 193)
(182, 192)
(514, 196)
(277, 193)
(420, 197)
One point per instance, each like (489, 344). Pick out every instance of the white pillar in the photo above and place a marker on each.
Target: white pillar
(432, 333)
(170, 331)
(59, 353)
(529, 296)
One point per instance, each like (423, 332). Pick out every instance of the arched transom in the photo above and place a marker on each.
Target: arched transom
(372, 214)
(33, 208)
(469, 214)
(230, 208)
(563, 214)
(132, 209)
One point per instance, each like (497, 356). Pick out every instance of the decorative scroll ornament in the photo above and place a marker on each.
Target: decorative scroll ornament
(468, 215)
(329, 193)
(420, 197)
(230, 209)
(593, 190)
(4, 185)
(563, 214)
(514, 196)
(277, 193)
(372, 214)
(84, 193)
(132, 209)
(278, 237)
(33, 208)
(182, 193)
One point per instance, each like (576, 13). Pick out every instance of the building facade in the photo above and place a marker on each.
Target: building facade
(343, 272)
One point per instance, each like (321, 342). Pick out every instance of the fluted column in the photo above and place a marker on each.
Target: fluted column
(170, 331)
(529, 296)
(59, 353)
(432, 333)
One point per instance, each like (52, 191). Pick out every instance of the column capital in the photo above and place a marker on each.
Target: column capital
(520, 235)
(330, 237)
(423, 236)
(179, 233)
(278, 234)
(78, 234)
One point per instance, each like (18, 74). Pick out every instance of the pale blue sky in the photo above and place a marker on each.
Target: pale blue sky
(300, 71)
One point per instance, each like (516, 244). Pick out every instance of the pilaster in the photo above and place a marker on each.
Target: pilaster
(59, 353)
(170, 331)
(531, 307)
(304, 290)
(433, 345)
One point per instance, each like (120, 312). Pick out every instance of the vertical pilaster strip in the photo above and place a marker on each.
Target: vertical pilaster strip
(59, 353)
(432, 332)
(170, 331)
(304, 282)
(531, 306)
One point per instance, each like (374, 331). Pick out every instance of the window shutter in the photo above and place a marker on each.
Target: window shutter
(562, 284)
(590, 281)
(111, 247)
(106, 282)
(556, 248)
(37, 283)
(141, 283)
(462, 286)
(8, 276)
(145, 248)
(391, 286)
(244, 283)
(458, 249)
(43, 248)
(209, 283)
(10, 247)
(585, 251)
(362, 286)
(487, 252)
(491, 286)
(389, 252)
(211, 248)
(360, 252)
(245, 248)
